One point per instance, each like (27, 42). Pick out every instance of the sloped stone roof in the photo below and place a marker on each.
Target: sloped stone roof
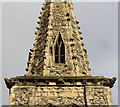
(58, 18)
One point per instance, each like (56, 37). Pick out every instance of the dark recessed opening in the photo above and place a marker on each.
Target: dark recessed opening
(81, 38)
(71, 39)
(83, 73)
(77, 22)
(33, 72)
(48, 14)
(56, 50)
(65, 66)
(59, 50)
(40, 34)
(51, 50)
(56, 59)
(39, 17)
(68, 19)
(57, 6)
(42, 8)
(62, 59)
(67, 14)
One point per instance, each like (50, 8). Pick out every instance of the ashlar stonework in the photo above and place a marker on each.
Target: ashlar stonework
(58, 71)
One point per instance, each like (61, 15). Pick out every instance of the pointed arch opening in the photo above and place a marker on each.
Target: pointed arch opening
(59, 50)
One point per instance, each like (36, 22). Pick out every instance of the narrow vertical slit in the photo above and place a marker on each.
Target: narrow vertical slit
(51, 50)
(59, 54)
(85, 98)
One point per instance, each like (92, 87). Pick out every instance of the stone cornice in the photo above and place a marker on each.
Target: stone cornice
(58, 81)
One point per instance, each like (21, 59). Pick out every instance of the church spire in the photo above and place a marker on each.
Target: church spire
(57, 21)
(58, 72)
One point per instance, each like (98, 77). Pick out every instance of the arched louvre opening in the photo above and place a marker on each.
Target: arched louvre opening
(59, 50)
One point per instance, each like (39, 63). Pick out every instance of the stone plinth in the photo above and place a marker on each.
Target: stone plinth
(60, 91)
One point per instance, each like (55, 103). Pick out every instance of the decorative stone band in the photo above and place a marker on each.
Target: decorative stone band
(63, 81)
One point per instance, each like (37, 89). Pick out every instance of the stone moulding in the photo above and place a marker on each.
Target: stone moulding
(63, 81)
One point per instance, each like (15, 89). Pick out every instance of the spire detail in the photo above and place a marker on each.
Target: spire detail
(66, 57)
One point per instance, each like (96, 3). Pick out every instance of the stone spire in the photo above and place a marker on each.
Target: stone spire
(58, 48)
(58, 72)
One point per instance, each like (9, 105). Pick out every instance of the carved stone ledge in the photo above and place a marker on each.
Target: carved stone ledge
(73, 81)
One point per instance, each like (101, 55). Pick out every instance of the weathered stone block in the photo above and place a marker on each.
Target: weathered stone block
(98, 95)
(44, 95)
